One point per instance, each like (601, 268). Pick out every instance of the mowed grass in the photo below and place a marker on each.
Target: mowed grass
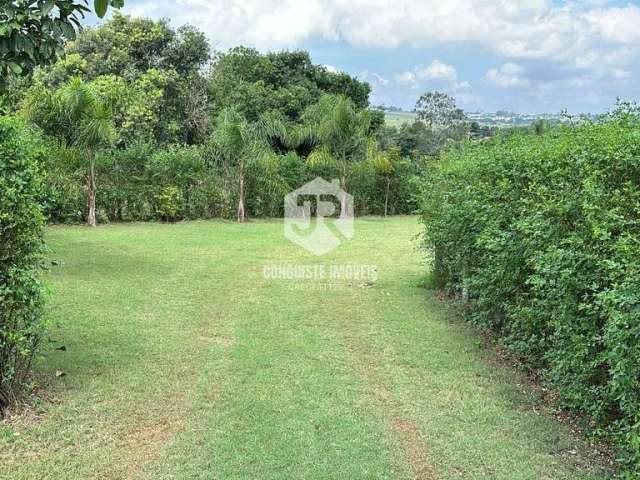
(184, 361)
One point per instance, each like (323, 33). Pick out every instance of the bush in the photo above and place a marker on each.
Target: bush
(539, 236)
(21, 223)
(168, 203)
(65, 195)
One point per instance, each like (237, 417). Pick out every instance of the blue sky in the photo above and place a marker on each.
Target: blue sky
(523, 55)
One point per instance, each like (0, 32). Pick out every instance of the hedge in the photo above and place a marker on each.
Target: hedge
(540, 236)
(21, 223)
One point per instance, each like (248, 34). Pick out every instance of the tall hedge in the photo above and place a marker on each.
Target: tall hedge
(21, 223)
(540, 236)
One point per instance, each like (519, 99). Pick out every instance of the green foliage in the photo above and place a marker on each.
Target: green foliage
(438, 110)
(32, 32)
(244, 145)
(130, 179)
(539, 235)
(75, 113)
(445, 122)
(252, 117)
(149, 73)
(21, 223)
(416, 139)
(339, 135)
(286, 82)
(129, 47)
(168, 203)
(81, 119)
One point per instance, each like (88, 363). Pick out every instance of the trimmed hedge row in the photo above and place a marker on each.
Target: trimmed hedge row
(540, 235)
(21, 224)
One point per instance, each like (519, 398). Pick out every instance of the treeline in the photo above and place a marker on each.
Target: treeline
(538, 236)
(145, 122)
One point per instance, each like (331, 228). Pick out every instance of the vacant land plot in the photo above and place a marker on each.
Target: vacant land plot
(181, 359)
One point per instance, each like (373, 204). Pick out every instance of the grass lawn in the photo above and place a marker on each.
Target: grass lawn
(183, 361)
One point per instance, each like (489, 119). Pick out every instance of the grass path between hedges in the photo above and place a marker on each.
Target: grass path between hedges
(183, 361)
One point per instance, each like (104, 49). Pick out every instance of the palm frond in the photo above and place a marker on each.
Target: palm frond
(322, 158)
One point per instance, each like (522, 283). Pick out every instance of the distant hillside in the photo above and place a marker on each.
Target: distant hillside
(489, 119)
(398, 118)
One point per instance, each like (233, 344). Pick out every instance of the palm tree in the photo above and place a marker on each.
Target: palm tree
(339, 135)
(385, 163)
(243, 144)
(81, 120)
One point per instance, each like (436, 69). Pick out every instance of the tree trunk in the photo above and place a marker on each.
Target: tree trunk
(241, 212)
(386, 196)
(91, 194)
(343, 195)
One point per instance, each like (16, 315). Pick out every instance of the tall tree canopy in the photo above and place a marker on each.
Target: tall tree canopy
(154, 72)
(443, 119)
(285, 82)
(131, 46)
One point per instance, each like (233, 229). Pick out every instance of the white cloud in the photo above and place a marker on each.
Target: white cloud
(620, 73)
(508, 75)
(373, 78)
(437, 70)
(405, 77)
(436, 76)
(618, 25)
(527, 29)
(575, 42)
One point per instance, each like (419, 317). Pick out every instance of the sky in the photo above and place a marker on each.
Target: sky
(528, 56)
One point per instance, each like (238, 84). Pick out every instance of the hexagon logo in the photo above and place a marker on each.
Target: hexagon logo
(323, 232)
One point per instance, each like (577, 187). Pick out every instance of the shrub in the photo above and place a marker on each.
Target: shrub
(65, 195)
(21, 223)
(168, 203)
(539, 235)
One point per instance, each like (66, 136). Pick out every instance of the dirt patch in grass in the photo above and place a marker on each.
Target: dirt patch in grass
(416, 453)
(145, 443)
(412, 451)
(149, 436)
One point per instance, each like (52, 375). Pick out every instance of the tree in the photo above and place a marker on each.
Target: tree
(129, 47)
(339, 135)
(32, 32)
(439, 112)
(414, 139)
(385, 163)
(283, 82)
(162, 68)
(243, 144)
(540, 126)
(81, 120)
